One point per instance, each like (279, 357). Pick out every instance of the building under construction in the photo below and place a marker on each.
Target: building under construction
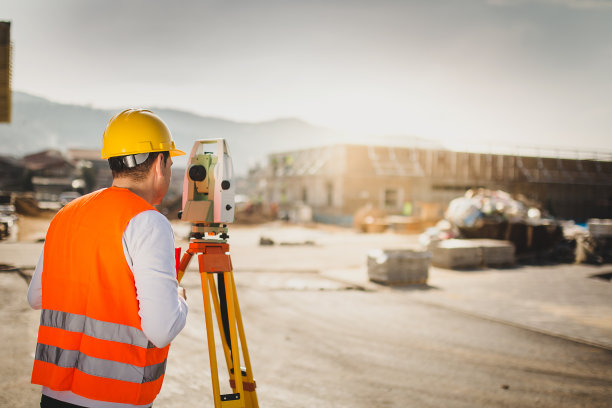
(336, 181)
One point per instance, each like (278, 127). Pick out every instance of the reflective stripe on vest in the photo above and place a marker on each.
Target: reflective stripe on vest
(97, 366)
(94, 328)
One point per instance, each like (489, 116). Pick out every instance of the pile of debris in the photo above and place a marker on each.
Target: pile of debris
(370, 219)
(496, 215)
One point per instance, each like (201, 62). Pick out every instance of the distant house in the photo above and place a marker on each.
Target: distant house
(51, 173)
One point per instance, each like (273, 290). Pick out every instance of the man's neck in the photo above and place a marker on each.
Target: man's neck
(139, 188)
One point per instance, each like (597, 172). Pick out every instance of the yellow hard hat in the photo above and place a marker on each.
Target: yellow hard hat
(136, 131)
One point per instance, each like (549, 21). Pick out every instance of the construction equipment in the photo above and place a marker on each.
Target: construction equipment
(208, 201)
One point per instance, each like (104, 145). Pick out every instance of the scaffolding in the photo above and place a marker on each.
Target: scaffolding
(5, 71)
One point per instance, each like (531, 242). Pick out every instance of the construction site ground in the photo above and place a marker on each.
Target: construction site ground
(320, 334)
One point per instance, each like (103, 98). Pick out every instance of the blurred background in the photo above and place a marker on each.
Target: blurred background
(424, 188)
(371, 114)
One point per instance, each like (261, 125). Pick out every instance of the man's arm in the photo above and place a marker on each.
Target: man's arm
(35, 289)
(149, 249)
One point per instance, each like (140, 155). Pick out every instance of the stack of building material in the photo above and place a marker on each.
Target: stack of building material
(496, 252)
(457, 254)
(398, 266)
(596, 246)
(599, 228)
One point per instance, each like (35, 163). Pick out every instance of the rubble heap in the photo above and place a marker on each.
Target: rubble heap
(495, 214)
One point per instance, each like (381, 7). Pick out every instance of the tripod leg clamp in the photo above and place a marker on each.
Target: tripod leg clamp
(248, 386)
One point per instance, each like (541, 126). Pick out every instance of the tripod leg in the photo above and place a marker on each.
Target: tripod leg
(230, 341)
(224, 333)
(249, 383)
(210, 335)
(183, 265)
(223, 306)
(229, 291)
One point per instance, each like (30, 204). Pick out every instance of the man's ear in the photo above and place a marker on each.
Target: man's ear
(158, 165)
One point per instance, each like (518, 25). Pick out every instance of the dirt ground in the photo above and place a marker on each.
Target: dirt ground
(320, 335)
(33, 229)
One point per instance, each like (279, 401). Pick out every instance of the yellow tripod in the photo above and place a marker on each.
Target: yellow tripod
(214, 259)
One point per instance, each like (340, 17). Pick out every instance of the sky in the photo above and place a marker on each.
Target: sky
(463, 72)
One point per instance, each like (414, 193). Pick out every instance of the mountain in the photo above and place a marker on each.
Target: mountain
(40, 124)
(249, 143)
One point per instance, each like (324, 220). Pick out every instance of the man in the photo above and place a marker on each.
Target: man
(106, 279)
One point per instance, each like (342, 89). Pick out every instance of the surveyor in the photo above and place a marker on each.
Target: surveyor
(106, 279)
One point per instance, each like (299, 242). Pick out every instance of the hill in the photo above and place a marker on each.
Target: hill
(40, 124)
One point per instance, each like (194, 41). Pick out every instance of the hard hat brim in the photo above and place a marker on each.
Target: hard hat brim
(176, 152)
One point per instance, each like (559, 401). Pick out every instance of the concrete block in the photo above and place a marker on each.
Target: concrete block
(457, 254)
(496, 252)
(398, 266)
(600, 228)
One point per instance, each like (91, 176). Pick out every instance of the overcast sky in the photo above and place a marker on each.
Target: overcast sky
(510, 72)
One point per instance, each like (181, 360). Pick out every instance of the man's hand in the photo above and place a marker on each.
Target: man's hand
(182, 292)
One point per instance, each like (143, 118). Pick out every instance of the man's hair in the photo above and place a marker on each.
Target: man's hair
(119, 167)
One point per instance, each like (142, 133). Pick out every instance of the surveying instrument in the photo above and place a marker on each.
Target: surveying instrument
(208, 203)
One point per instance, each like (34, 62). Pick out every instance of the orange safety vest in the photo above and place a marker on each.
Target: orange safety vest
(90, 340)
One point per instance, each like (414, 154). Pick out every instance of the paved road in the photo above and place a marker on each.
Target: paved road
(320, 335)
(351, 348)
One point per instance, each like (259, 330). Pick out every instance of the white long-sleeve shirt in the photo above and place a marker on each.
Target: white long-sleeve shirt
(148, 246)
